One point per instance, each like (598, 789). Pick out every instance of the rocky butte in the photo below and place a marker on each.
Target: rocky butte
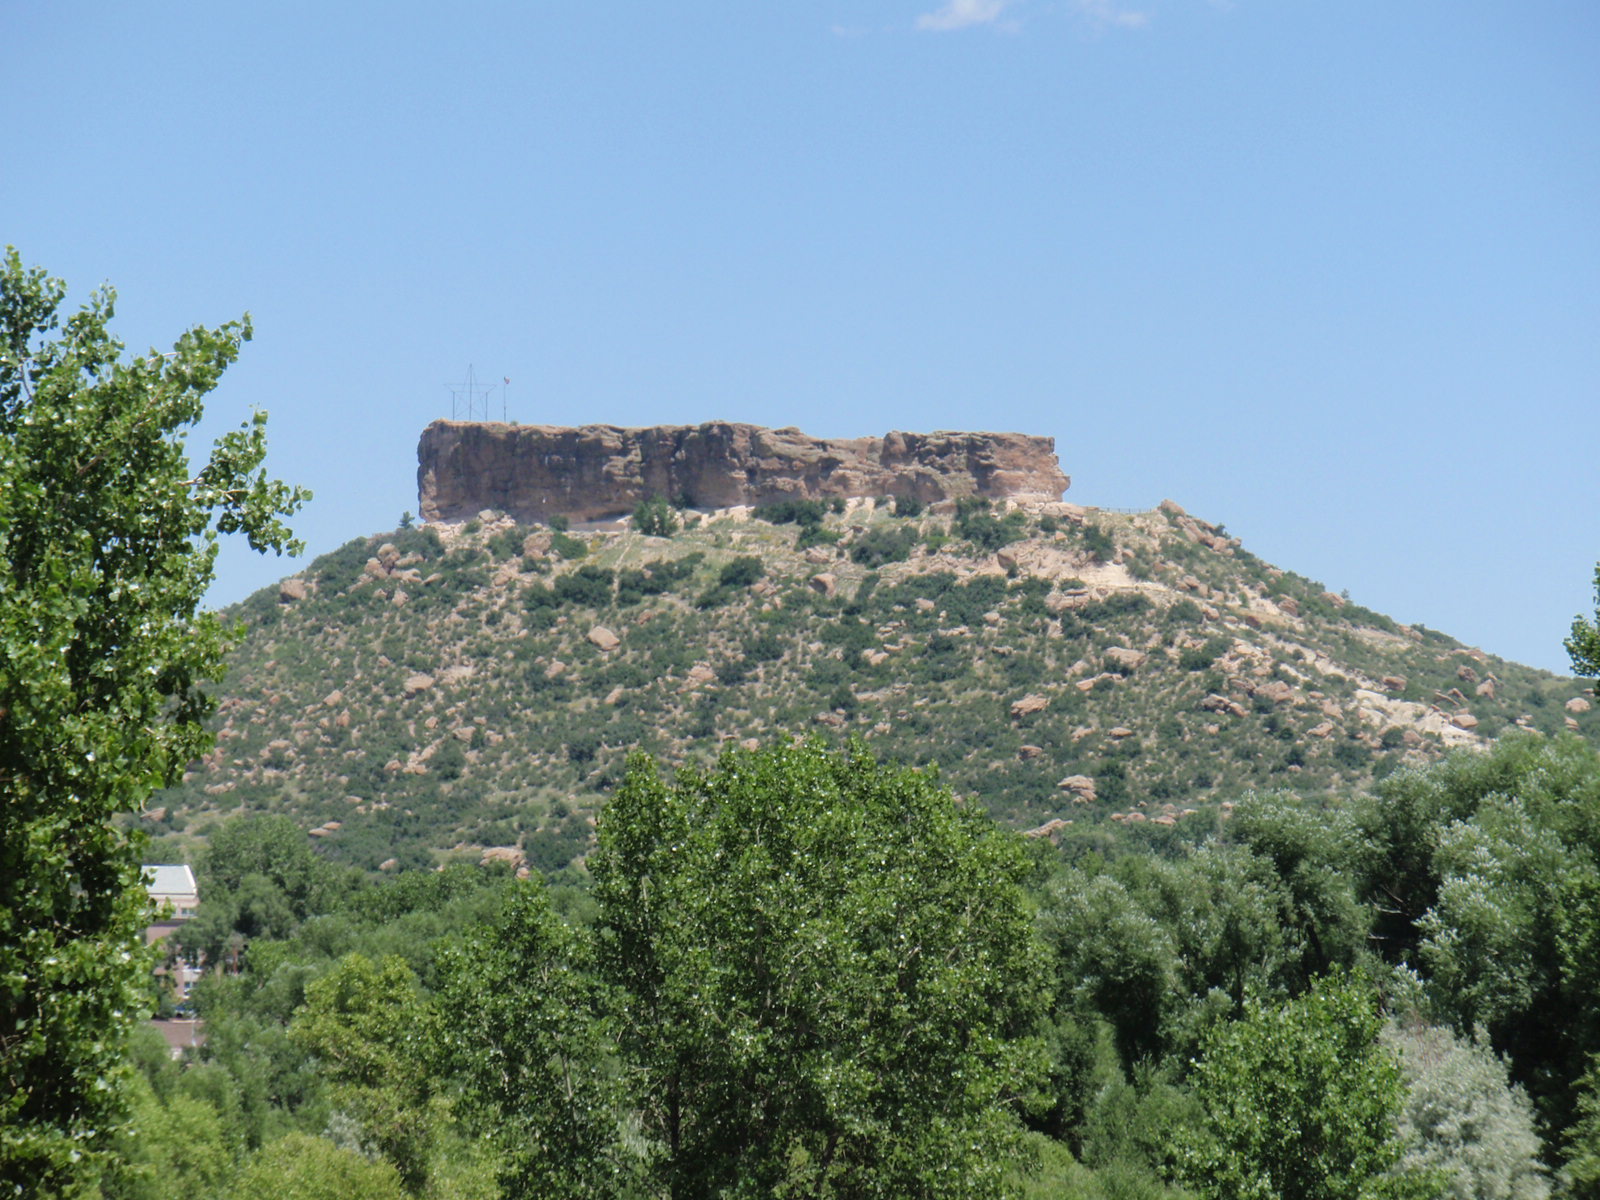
(600, 472)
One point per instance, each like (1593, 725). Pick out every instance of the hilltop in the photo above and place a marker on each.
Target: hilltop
(594, 472)
(475, 687)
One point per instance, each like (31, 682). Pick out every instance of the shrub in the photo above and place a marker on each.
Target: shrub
(506, 544)
(907, 506)
(977, 525)
(1098, 543)
(741, 572)
(791, 512)
(815, 535)
(655, 518)
(449, 760)
(339, 570)
(588, 587)
(879, 546)
(1200, 658)
(568, 546)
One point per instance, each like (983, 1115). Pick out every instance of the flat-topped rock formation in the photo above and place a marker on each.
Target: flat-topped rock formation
(597, 472)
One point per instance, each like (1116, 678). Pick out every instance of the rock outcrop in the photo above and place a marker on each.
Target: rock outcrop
(598, 472)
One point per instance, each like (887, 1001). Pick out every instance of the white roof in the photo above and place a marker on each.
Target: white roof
(171, 879)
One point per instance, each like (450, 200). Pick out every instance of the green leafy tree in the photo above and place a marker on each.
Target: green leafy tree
(524, 1033)
(107, 544)
(1464, 1118)
(655, 517)
(1302, 1103)
(1584, 644)
(369, 1029)
(301, 1167)
(175, 1145)
(825, 970)
(1582, 1149)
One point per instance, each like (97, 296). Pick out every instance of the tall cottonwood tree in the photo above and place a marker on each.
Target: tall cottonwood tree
(107, 545)
(825, 977)
(1583, 646)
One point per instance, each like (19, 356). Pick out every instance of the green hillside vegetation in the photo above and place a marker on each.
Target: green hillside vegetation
(783, 967)
(436, 691)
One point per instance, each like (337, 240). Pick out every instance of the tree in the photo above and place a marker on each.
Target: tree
(525, 1034)
(655, 518)
(1465, 1118)
(107, 543)
(300, 1167)
(370, 1030)
(825, 973)
(1302, 1103)
(1584, 644)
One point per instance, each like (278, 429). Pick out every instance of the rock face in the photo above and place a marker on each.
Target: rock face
(597, 472)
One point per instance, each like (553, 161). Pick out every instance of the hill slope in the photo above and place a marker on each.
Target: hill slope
(451, 688)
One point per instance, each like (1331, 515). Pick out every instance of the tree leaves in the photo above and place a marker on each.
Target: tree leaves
(105, 553)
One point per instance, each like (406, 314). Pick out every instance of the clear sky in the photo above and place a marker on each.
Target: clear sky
(1326, 273)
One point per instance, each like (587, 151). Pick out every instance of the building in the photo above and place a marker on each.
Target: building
(176, 897)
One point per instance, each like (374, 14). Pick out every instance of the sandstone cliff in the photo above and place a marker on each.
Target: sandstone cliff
(596, 472)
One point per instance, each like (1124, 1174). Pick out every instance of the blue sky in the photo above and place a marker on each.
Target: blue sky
(1329, 274)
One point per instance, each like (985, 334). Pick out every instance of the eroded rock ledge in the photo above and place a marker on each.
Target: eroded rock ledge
(597, 472)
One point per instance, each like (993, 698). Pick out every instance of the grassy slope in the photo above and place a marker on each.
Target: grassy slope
(527, 722)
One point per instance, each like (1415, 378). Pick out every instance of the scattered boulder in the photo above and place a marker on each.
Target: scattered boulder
(699, 675)
(418, 683)
(1081, 787)
(555, 670)
(1464, 720)
(826, 583)
(1028, 705)
(604, 638)
(1025, 753)
(1049, 829)
(1289, 605)
(502, 854)
(1118, 732)
(1485, 689)
(1125, 656)
(1275, 690)
(291, 590)
(1466, 674)
(1577, 705)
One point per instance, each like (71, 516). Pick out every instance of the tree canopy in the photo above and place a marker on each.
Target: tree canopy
(827, 971)
(107, 544)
